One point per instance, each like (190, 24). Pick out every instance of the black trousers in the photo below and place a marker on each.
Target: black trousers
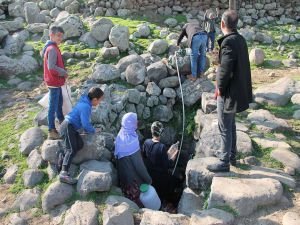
(73, 143)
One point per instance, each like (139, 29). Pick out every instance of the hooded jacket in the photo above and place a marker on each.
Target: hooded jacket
(80, 115)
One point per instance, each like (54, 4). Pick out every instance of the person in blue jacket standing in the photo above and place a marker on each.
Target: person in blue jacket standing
(78, 118)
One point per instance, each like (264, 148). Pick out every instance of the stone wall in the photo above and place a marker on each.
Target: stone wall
(289, 8)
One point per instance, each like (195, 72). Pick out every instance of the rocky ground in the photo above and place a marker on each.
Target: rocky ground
(132, 60)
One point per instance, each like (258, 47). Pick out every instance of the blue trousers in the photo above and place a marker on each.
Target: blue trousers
(55, 107)
(198, 56)
(210, 41)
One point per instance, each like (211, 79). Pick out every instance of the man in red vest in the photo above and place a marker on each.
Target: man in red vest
(55, 76)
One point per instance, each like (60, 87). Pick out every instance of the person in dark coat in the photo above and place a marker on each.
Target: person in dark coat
(233, 90)
(197, 38)
(158, 160)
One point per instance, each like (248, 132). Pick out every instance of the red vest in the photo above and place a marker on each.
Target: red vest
(51, 77)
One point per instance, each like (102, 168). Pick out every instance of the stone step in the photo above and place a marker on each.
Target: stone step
(244, 196)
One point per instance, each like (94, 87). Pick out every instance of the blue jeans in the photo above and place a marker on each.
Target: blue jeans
(211, 39)
(55, 107)
(198, 52)
(227, 129)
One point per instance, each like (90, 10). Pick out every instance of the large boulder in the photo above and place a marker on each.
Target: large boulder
(30, 139)
(119, 37)
(32, 177)
(157, 71)
(32, 13)
(72, 26)
(101, 28)
(89, 40)
(24, 65)
(257, 56)
(13, 44)
(29, 198)
(251, 194)
(117, 200)
(49, 149)
(128, 60)
(82, 213)
(189, 202)
(192, 91)
(162, 113)
(278, 93)
(13, 25)
(287, 158)
(158, 47)
(169, 82)
(117, 214)
(135, 73)
(11, 174)
(266, 121)
(105, 72)
(56, 194)
(108, 53)
(3, 33)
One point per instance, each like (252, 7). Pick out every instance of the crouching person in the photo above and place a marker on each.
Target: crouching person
(78, 118)
(131, 169)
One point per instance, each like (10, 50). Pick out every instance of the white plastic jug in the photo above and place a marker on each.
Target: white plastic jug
(149, 197)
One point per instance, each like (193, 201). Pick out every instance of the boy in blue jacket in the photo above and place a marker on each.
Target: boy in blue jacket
(78, 118)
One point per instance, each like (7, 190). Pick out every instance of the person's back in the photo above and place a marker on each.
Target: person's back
(239, 87)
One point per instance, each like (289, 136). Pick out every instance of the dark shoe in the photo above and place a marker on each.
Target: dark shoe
(64, 177)
(221, 167)
(233, 162)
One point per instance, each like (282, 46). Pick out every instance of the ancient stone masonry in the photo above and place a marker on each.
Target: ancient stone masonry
(254, 8)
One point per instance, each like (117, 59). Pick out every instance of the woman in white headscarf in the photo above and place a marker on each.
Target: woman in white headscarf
(131, 169)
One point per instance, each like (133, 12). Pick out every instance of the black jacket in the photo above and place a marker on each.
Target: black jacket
(189, 30)
(234, 74)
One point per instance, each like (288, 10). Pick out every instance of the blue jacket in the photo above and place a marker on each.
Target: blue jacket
(80, 115)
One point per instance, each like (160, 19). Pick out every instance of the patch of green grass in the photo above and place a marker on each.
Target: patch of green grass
(206, 197)
(263, 155)
(190, 113)
(228, 209)
(284, 112)
(9, 135)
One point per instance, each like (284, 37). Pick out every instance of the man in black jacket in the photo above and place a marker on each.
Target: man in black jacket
(197, 38)
(234, 88)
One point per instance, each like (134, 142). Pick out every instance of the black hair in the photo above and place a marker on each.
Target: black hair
(56, 29)
(95, 92)
(157, 128)
(230, 19)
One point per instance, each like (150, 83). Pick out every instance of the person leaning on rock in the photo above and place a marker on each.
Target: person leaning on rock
(233, 88)
(197, 38)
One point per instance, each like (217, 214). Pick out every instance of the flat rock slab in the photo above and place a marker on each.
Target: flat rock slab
(287, 158)
(277, 93)
(82, 213)
(244, 195)
(151, 217)
(267, 122)
(291, 218)
(211, 217)
(198, 177)
(269, 143)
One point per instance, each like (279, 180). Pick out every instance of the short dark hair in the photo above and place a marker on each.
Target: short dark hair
(230, 19)
(95, 92)
(56, 29)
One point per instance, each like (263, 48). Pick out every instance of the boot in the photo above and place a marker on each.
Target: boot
(221, 167)
(64, 177)
(53, 135)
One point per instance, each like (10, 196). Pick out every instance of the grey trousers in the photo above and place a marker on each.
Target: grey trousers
(227, 129)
